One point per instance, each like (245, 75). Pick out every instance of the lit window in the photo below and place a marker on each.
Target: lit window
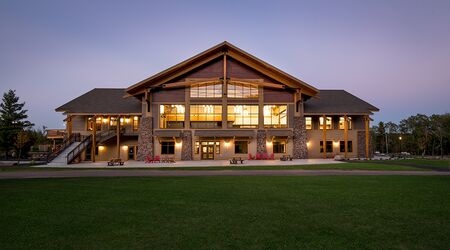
(206, 90)
(171, 116)
(112, 122)
(341, 122)
(98, 123)
(279, 146)
(349, 146)
(275, 116)
(167, 147)
(328, 122)
(197, 147)
(243, 116)
(308, 122)
(240, 147)
(206, 116)
(90, 124)
(329, 147)
(135, 123)
(238, 90)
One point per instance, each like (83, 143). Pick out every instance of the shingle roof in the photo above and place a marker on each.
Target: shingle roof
(337, 101)
(103, 101)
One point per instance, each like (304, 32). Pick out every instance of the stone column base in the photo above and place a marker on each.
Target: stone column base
(299, 138)
(145, 140)
(186, 146)
(261, 137)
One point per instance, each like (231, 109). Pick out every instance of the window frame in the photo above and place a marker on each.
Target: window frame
(328, 143)
(238, 90)
(282, 143)
(179, 116)
(250, 117)
(349, 146)
(271, 117)
(245, 148)
(166, 147)
(328, 126)
(200, 90)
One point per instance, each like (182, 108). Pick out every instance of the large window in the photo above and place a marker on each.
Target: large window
(240, 147)
(329, 122)
(341, 122)
(308, 122)
(167, 147)
(279, 146)
(329, 146)
(342, 146)
(135, 123)
(238, 90)
(206, 90)
(206, 116)
(242, 116)
(171, 116)
(112, 122)
(275, 116)
(98, 123)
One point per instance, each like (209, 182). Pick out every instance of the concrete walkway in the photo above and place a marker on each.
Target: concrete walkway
(142, 173)
(204, 163)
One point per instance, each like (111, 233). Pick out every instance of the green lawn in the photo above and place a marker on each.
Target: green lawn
(249, 212)
(343, 166)
(441, 164)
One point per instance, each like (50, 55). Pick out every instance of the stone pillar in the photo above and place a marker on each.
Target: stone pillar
(261, 137)
(362, 145)
(186, 146)
(299, 138)
(145, 140)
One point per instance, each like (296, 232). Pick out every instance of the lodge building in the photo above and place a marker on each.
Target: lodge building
(219, 104)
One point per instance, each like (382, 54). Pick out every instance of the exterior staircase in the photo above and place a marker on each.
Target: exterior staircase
(61, 159)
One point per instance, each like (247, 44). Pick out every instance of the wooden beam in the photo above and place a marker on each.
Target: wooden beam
(224, 95)
(367, 120)
(324, 136)
(264, 84)
(188, 83)
(94, 133)
(69, 126)
(345, 135)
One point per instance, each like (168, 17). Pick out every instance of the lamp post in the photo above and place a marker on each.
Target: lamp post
(400, 138)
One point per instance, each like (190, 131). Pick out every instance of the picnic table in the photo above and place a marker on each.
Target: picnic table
(286, 158)
(115, 162)
(236, 160)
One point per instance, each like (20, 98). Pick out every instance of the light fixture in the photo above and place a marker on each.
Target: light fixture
(135, 118)
(121, 120)
(127, 120)
(105, 120)
(400, 138)
(100, 148)
(308, 144)
(124, 147)
(336, 143)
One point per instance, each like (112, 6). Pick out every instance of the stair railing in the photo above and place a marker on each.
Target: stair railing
(78, 149)
(65, 144)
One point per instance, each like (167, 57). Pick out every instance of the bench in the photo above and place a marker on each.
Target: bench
(237, 160)
(115, 162)
(286, 158)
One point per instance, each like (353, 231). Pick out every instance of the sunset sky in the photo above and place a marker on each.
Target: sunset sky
(393, 54)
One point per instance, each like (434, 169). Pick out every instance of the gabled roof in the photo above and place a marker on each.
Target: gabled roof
(213, 53)
(337, 102)
(103, 101)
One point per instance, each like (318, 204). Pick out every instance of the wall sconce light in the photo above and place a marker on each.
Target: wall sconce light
(336, 143)
(127, 120)
(121, 120)
(308, 144)
(101, 148)
(105, 120)
(124, 147)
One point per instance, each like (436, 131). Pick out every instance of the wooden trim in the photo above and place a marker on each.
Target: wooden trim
(118, 137)
(367, 120)
(345, 136)
(94, 133)
(188, 83)
(224, 94)
(264, 84)
(324, 136)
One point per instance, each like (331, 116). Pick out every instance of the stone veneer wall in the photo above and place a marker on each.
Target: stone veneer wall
(362, 145)
(186, 146)
(299, 138)
(145, 140)
(261, 141)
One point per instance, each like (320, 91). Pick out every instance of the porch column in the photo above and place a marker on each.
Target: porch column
(324, 136)
(367, 120)
(299, 130)
(345, 136)
(69, 126)
(94, 132)
(118, 136)
(224, 94)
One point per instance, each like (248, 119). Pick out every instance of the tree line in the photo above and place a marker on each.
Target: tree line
(418, 135)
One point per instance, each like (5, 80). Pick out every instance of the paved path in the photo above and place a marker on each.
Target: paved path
(126, 173)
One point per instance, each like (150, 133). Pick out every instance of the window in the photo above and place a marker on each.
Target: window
(275, 116)
(206, 116)
(98, 123)
(242, 116)
(197, 147)
(206, 90)
(217, 147)
(308, 122)
(238, 90)
(341, 122)
(90, 123)
(167, 147)
(135, 123)
(171, 116)
(329, 147)
(349, 146)
(279, 146)
(240, 147)
(329, 120)
(112, 123)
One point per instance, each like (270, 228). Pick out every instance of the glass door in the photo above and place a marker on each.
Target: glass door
(207, 151)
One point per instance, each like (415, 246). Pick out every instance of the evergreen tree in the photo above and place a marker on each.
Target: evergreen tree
(12, 120)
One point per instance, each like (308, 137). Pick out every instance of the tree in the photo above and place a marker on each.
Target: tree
(22, 139)
(12, 120)
(419, 128)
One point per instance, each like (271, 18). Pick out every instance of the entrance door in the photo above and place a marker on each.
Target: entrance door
(208, 152)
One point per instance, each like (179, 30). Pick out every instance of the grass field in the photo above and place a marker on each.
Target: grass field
(256, 212)
(343, 166)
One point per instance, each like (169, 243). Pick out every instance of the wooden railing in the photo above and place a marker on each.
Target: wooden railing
(78, 149)
(61, 147)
